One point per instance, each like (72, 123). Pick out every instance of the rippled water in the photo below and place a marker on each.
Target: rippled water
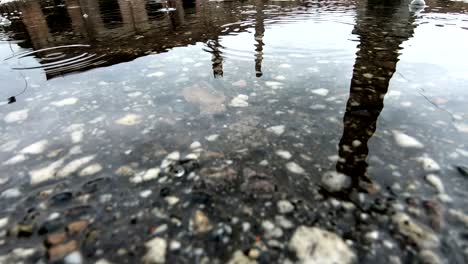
(96, 95)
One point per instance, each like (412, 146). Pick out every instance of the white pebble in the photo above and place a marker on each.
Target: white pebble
(428, 164)
(239, 101)
(35, 148)
(195, 145)
(320, 91)
(11, 193)
(284, 154)
(285, 206)
(16, 116)
(73, 258)
(277, 130)
(65, 102)
(294, 168)
(156, 74)
(212, 138)
(129, 120)
(91, 169)
(145, 194)
(435, 181)
(406, 141)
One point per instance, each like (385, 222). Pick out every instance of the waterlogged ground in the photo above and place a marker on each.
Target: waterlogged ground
(233, 132)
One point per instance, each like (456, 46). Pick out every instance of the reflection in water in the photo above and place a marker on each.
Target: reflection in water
(259, 31)
(382, 27)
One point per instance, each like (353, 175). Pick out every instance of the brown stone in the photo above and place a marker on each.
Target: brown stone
(60, 251)
(77, 226)
(56, 238)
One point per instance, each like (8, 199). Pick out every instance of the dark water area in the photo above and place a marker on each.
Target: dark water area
(252, 131)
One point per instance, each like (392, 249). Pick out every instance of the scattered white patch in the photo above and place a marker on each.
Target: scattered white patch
(46, 173)
(285, 206)
(129, 120)
(435, 181)
(368, 75)
(76, 132)
(213, 137)
(356, 143)
(284, 66)
(318, 107)
(240, 101)
(174, 156)
(91, 170)
(65, 102)
(172, 200)
(156, 74)
(156, 251)
(321, 91)
(74, 165)
(280, 78)
(406, 104)
(16, 116)
(263, 163)
(284, 154)
(15, 160)
(11, 193)
(294, 168)
(35, 148)
(406, 141)
(277, 130)
(145, 194)
(428, 164)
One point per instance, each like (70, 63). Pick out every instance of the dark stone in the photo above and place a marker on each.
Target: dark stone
(50, 226)
(94, 185)
(60, 198)
(165, 192)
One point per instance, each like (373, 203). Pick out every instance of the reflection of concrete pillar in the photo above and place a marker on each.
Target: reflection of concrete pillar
(178, 16)
(134, 14)
(259, 32)
(35, 24)
(90, 9)
(76, 16)
(381, 32)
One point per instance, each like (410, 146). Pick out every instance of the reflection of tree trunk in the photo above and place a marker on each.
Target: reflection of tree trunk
(35, 24)
(93, 18)
(134, 14)
(382, 27)
(76, 16)
(217, 58)
(259, 32)
(177, 17)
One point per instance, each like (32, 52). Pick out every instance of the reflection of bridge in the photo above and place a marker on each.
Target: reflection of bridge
(122, 30)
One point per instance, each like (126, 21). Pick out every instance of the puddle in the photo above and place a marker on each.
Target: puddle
(244, 131)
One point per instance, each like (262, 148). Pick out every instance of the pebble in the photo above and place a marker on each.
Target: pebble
(195, 145)
(77, 226)
(315, 245)
(320, 91)
(435, 181)
(334, 181)
(172, 200)
(200, 222)
(55, 238)
(145, 194)
(416, 232)
(73, 258)
(428, 164)
(16, 116)
(59, 251)
(295, 168)
(429, 257)
(277, 130)
(91, 170)
(15, 160)
(3, 222)
(156, 251)
(129, 120)
(35, 148)
(74, 165)
(285, 207)
(239, 258)
(405, 141)
(212, 138)
(10, 193)
(284, 154)
(151, 174)
(65, 102)
(460, 216)
(175, 245)
(240, 101)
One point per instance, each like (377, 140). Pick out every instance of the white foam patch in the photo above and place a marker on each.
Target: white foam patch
(320, 91)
